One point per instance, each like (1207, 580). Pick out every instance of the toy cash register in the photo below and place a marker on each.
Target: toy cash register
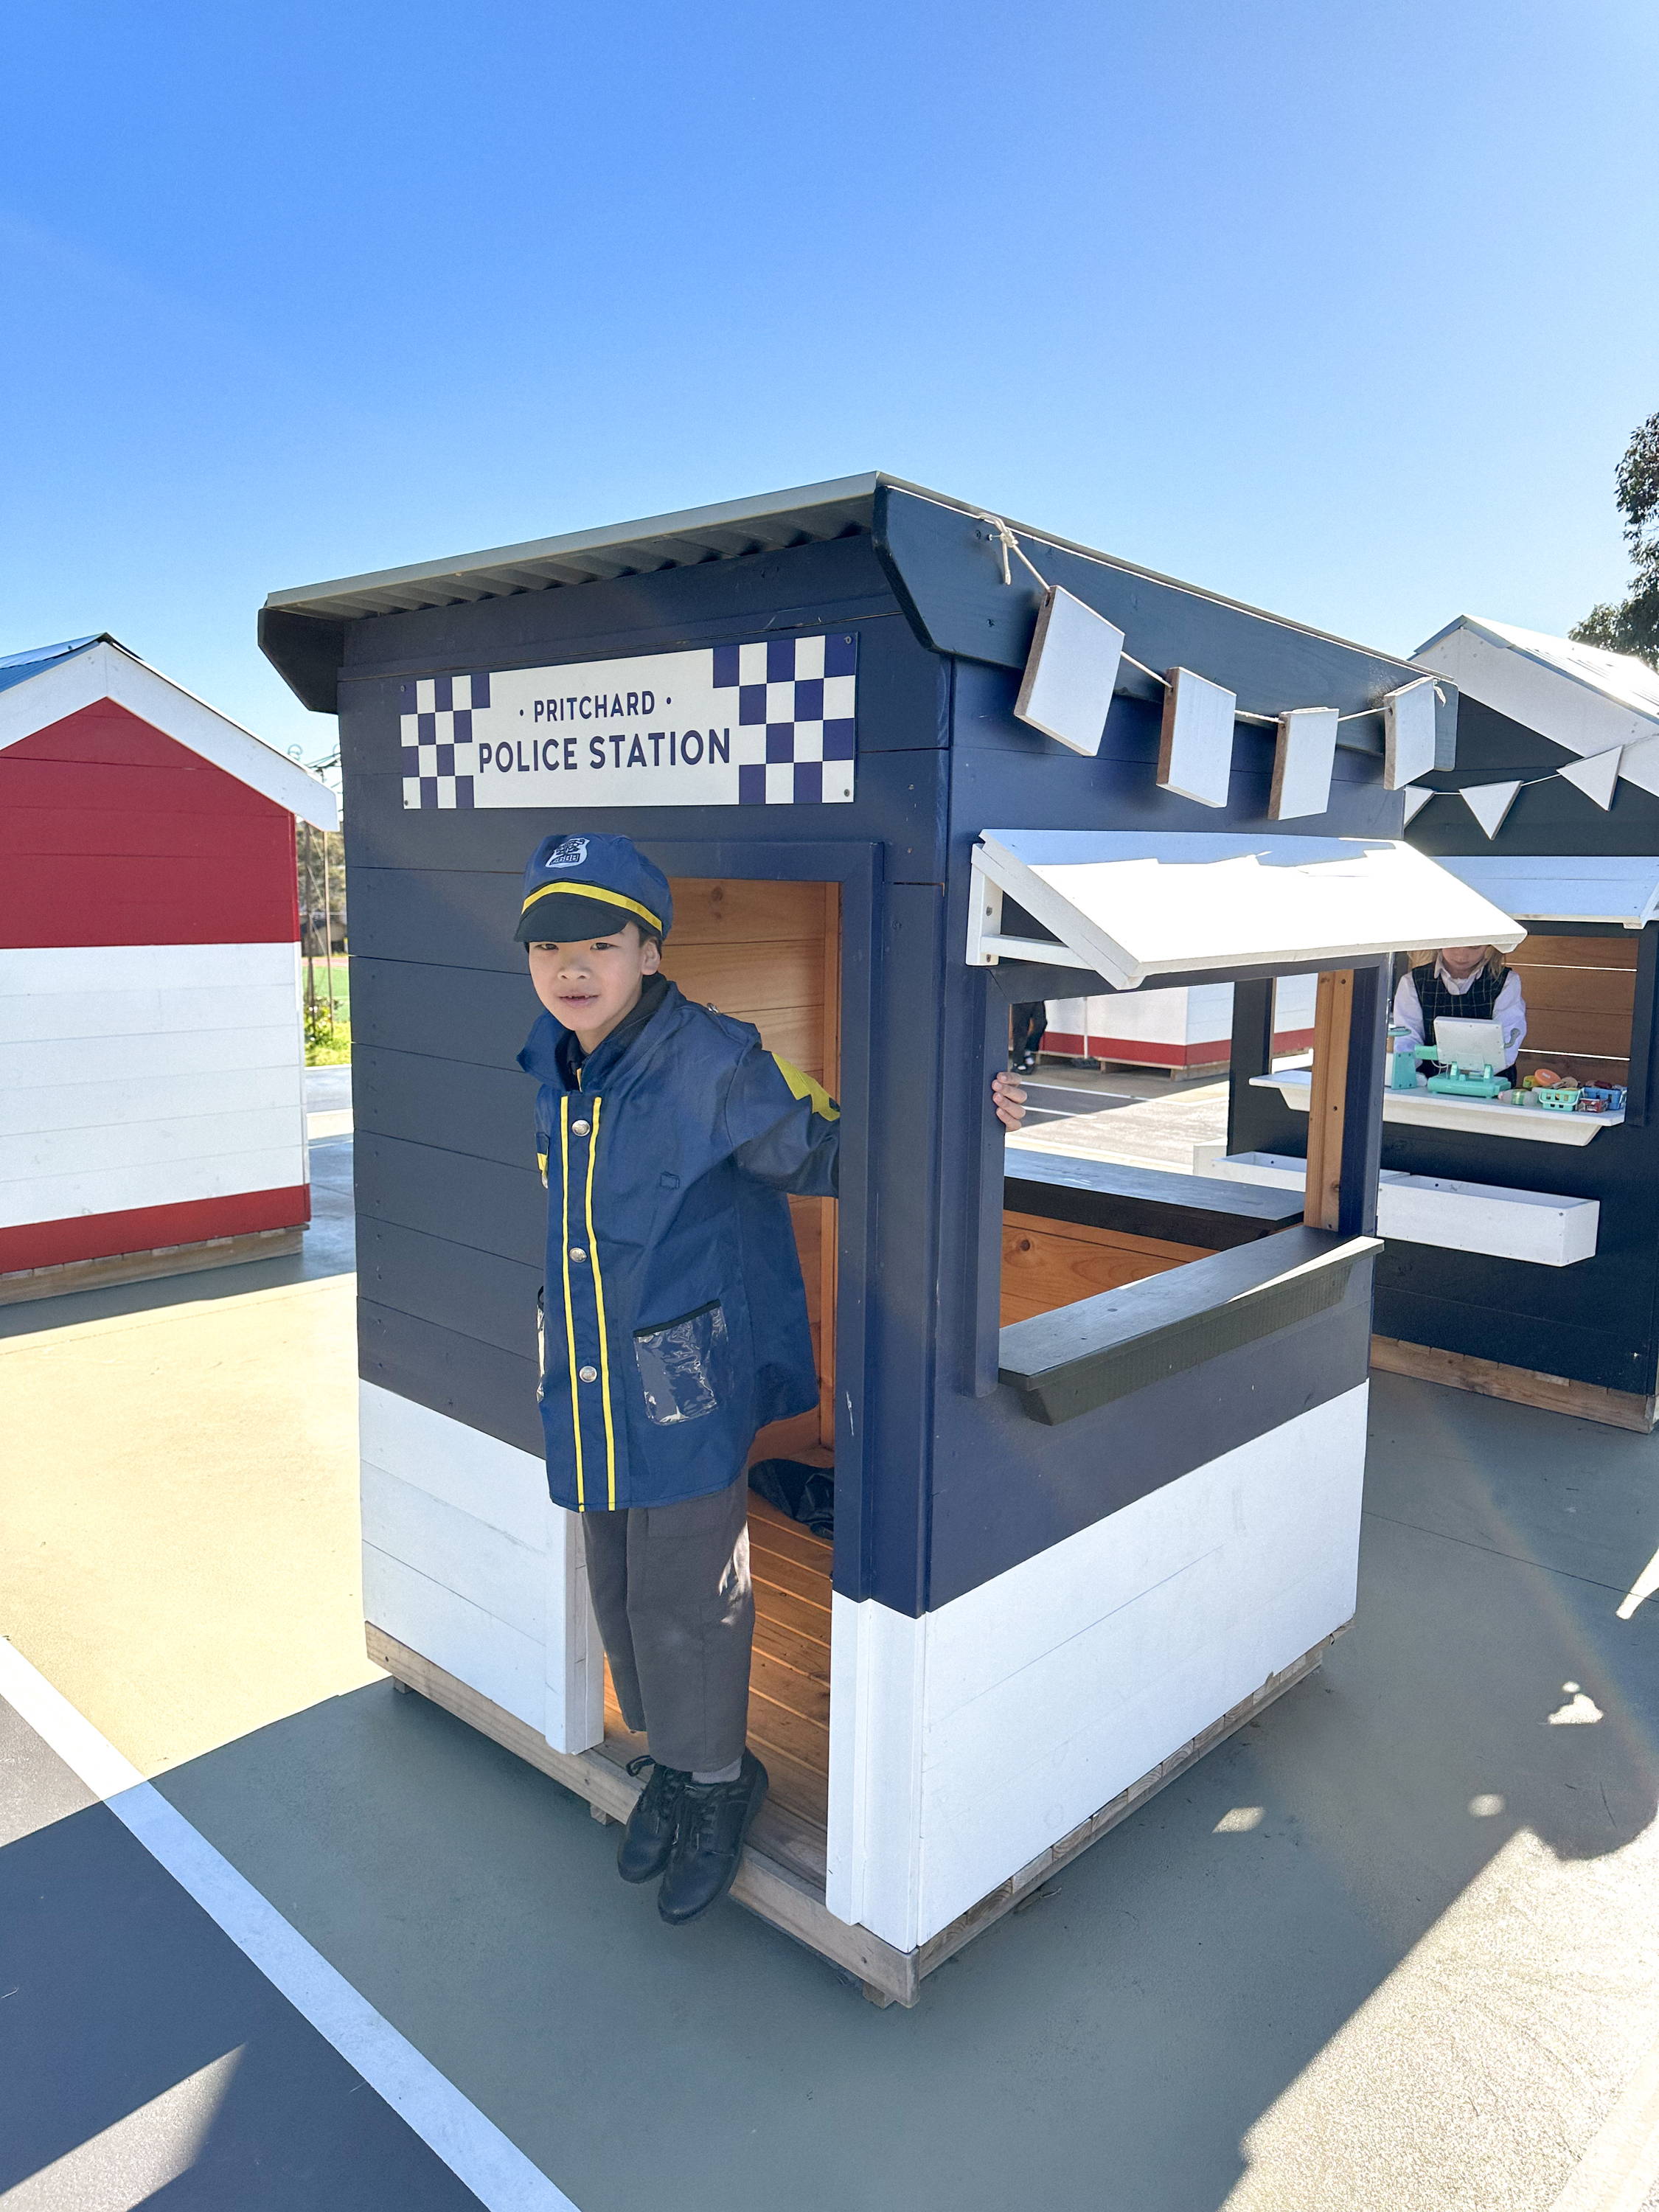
(1463, 1047)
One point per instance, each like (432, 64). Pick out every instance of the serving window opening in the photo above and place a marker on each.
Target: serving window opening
(769, 953)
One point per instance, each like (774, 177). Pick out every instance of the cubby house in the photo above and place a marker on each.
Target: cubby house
(152, 1067)
(1098, 1434)
(1522, 1246)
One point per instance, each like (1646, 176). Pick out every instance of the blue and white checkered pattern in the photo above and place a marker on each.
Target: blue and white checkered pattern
(794, 742)
(439, 757)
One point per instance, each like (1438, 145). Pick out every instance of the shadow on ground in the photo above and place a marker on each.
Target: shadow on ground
(1113, 2045)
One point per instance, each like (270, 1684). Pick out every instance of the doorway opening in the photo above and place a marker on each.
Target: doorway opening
(770, 953)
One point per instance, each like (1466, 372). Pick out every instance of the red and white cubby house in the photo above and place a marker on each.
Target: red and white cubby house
(1181, 1031)
(152, 1097)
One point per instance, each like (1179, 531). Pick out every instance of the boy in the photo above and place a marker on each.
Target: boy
(675, 1326)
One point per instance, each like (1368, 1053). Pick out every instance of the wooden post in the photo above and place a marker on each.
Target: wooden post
(1252, 1048)
(1326, 1109)
(1362, 1135)
(1641, 1100)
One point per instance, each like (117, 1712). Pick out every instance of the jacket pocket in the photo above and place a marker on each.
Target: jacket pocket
(541, 1345)
(684, 1366)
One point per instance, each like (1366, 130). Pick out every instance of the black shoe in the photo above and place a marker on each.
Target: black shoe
(648, 1838)
(714, 1819)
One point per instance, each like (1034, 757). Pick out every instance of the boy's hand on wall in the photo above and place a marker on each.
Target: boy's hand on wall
(1009, 1100)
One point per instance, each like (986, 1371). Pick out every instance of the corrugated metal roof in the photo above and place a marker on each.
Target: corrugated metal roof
(808, 514)
(18, 667)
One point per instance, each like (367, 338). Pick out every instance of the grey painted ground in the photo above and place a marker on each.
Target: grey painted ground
(1394, 1949)
(142, 2059)
(1393, 1946)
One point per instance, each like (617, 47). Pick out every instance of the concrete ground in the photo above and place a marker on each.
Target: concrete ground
(1394, 1946)
(1123, 1114)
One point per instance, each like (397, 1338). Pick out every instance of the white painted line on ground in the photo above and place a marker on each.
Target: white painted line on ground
(1641, 1589)
(1622, 2163)
(472, 2146)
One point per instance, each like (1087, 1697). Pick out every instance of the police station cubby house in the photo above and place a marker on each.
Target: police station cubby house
(1097, 1433)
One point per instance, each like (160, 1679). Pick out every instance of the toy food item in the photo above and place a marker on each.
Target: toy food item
(1546, 1078)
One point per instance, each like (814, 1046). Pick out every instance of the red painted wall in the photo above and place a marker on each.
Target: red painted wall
(112, 833)
(151, 1228)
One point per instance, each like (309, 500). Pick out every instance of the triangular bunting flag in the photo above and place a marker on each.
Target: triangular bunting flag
(1416, 799)
(1596, 777)
(1490, 802)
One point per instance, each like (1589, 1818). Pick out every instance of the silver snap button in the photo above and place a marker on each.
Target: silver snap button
(588, 1374)
(581, 1128)
(577, 1253)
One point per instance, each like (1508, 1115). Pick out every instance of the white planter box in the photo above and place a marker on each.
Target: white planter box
(1538, 1225)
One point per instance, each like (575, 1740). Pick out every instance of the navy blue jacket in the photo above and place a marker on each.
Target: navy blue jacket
(675, 1319)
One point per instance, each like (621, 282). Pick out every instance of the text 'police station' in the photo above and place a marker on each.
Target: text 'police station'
(668, 748)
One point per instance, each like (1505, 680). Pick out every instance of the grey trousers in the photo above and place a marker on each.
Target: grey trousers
(677, 1613)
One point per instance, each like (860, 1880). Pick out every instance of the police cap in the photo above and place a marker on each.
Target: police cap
(588, 885)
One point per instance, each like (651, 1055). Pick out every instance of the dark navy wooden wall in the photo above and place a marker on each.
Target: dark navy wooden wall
(941, 1480)
(1004, 1487)
(450, 1208)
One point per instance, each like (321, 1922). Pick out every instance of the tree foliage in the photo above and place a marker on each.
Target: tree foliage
(1631, 624)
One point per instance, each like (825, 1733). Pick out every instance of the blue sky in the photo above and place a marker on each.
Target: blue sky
(1345, 310)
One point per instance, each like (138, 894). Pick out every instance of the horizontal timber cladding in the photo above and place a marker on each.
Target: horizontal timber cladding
(1549, 816)
(490, 1390)
(1122, 775)
(476, 1014)
(477, 1295)
(184, 852)
(1545, 1346)
(489, 1113)
(1598, 1314)
(1006, 1487)
(1047, 1264)
(450, 1195)
(1580, 996)
(997, 1726)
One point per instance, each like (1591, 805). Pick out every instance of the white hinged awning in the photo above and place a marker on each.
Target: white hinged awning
(1613, 887)
(1134, 905)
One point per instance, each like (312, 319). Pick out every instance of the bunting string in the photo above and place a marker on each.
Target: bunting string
(1008, 542)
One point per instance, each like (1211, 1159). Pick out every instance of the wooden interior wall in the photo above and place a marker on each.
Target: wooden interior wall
(1046, 1264)
(770, 954)
(1580, 993)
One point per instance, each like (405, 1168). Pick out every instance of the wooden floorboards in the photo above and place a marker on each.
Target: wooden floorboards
(788, 1689)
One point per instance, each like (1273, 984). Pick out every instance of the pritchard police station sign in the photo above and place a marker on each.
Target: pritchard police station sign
(772, 724)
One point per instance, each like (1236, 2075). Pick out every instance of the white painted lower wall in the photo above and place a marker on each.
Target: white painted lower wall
(468, 1561)
(147, 1075)
(963, 1744)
